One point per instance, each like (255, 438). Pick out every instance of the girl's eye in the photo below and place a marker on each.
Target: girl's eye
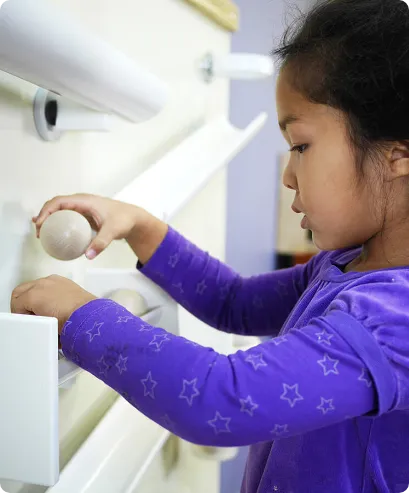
(300, 149)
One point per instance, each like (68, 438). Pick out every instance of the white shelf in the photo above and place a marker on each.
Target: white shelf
(115, 456)
(29, 392)
(171, 182)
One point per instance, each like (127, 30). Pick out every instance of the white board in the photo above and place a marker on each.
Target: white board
(29, 449)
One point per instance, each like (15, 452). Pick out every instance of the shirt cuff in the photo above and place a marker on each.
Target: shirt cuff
(75, 324)
(166, 256)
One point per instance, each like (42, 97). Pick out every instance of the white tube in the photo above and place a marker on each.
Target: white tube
(43, 45)
(243, 66)
(75, 117)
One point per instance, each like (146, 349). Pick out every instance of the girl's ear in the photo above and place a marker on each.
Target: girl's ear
(398, 160)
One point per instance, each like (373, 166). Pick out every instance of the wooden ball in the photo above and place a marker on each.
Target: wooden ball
(65, 235)
(131, 300)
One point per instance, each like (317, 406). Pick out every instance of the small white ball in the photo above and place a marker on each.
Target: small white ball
(65, 235)
(131, 300)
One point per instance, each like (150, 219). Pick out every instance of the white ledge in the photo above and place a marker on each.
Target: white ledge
(116, 454)
(167, 186)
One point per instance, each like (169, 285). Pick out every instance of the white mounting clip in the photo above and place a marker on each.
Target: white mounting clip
(244, 66)
(54, 115)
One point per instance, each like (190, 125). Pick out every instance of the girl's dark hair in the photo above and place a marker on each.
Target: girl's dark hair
(353, 55)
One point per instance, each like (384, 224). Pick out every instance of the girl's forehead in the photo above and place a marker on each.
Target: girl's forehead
(293, 108)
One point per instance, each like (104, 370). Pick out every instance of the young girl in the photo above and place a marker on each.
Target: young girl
(324, 402)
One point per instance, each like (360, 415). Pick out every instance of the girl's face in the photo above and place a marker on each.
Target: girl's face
(335, 205)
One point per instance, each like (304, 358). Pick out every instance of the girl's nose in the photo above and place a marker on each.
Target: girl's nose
(289, 177)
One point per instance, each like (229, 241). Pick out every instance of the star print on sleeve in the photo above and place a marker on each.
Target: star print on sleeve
(179, 287)
(123, 319)
(256, 360)
(103, 366)
(94, 331)
(279, 430)
(326, 405)
(149, 385)
(145, 328)
(158, 340)
(324, 337)
(201, 287)
(189, 391)
(220, 424)
(248, 406)
(308, 378)
(329, 365)
(121, 364)
(173, 260)
(64, 329)
(291, 394)
(278, 340)
(365, 377)
(166, 422)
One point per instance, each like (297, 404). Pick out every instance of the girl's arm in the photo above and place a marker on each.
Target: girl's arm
(220, 297)
(348, 363)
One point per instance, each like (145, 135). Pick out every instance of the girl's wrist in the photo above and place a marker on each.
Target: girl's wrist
(146, 236)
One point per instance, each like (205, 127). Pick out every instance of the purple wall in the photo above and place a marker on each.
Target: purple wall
(252, 175)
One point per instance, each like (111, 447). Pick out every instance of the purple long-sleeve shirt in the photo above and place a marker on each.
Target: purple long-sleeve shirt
(323, 404)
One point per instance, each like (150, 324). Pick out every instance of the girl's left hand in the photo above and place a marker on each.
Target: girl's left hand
(52, 296)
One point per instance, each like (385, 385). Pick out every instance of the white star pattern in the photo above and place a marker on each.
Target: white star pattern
(94, 332)
(123, 319)
(103, 366)
(158, 340)
(220, 424)
(121, 364)
(278, 340)
(324, 337)
(291, 394)
(167, 422)
(149, 386)
(329, 365)
(145, 328)
(256, 360)
(173, 260)
(179, 287)
(201, 287)
(365, 377)
(189, 391)
(63, 332)
(326, 405)
(279, 430)
(248, 406)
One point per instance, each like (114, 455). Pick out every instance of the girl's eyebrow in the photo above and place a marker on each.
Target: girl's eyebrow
(288, 120)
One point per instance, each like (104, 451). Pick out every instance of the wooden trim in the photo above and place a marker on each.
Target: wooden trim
(223, 12)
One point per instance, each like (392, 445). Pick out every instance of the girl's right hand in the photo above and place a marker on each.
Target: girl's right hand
(112, 220)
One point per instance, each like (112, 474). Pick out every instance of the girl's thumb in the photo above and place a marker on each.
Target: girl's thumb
(99, 243)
